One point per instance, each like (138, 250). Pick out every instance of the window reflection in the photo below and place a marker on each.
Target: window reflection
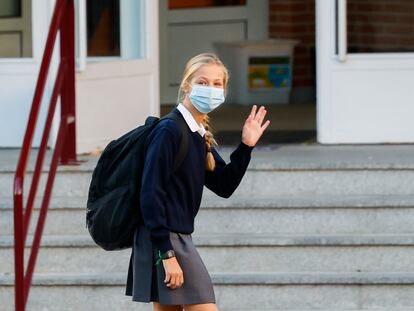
(10, 8)
(103, 28)
(380, 26)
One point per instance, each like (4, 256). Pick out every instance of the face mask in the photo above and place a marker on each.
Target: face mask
(206, 98)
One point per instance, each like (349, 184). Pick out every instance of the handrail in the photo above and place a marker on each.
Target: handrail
(65, 146)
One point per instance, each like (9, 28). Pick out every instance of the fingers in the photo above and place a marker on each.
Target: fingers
(174, 276)
(265, 125)
(259, 114)
(262, 115)
(176, 280)
(171, 280)
(253, 112)
(167, 278)
(171, 283)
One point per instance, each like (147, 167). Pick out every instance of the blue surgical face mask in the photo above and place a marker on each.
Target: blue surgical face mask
(206, 98)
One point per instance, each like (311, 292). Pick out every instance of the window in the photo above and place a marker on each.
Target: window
(380, 26)
(115, 28)
(103, 28)
(191, 4)
(10, 8)
(15, 28)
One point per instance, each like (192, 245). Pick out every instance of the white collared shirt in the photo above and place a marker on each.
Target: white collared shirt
(192, 123)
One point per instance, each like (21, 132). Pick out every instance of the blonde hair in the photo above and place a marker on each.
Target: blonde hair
(189, 70)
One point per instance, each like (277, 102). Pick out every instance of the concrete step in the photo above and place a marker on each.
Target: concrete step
(265, 182)
(234, 291)
(273, 170)
(279, 215)
(237, 253)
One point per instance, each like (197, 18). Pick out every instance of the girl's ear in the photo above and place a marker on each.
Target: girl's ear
(186, 87)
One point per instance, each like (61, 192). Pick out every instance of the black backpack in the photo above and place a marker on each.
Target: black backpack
(113, 206)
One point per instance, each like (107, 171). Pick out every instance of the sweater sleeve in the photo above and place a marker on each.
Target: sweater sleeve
(225, 178)
(157, 171)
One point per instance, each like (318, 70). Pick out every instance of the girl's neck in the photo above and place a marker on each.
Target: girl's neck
(197, 115)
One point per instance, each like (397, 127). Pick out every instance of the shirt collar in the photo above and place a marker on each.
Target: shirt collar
(189, 119)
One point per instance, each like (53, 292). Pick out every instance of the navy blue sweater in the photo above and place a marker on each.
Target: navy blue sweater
(171, 200)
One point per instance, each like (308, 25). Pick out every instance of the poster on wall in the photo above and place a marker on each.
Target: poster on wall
(269, 72)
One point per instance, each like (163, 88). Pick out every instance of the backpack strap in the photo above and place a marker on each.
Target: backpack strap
(182, 152)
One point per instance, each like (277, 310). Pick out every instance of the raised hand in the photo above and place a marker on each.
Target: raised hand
(253, 128)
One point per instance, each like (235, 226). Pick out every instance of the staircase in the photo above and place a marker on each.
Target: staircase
(309, 228)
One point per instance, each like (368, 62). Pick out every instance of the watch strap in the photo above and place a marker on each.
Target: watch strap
(168, 254)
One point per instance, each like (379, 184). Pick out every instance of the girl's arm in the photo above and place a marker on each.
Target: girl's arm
(225, 178)
(158, 166)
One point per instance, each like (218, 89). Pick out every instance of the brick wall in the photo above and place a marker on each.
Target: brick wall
(295, 19)
(373, 26)
(380, 25)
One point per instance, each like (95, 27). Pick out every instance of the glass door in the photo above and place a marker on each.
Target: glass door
(365, 71)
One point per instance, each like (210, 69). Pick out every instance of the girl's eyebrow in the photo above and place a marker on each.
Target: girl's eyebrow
(202, 77)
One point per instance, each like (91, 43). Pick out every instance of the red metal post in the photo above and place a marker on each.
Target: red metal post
(68, 96)
(18, 245)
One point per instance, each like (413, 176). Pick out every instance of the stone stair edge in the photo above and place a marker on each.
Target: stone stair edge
(370, 309)
(263, 167)
(374, 309)
(224, 278)
(243, 240)
(247, 202)
(376, 155)
(255, 165)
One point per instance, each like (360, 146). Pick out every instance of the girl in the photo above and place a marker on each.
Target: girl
(170, 199)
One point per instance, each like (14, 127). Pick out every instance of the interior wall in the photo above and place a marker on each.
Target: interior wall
(295, 19)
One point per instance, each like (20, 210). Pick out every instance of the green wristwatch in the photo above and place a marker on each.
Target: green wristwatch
(168, 254)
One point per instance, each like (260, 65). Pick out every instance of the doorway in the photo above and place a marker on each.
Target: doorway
(190, 27)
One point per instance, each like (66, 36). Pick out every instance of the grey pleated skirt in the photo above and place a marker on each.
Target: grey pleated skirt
(146, 280)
